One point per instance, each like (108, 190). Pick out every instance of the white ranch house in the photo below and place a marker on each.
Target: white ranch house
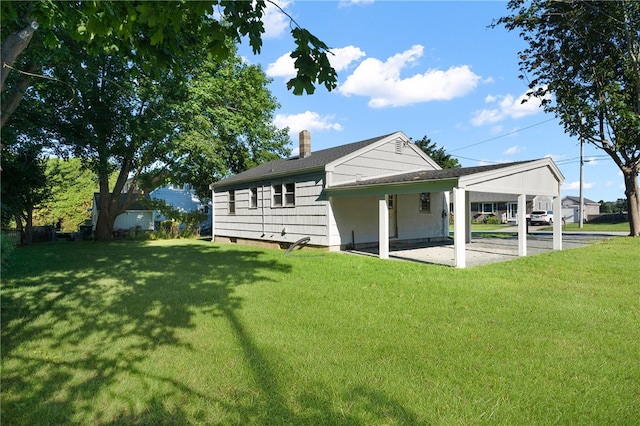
(369, 193)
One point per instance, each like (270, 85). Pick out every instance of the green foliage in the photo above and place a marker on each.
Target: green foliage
(72, 192)
(179, 223)
(439, 155)
(161, 36)
(190, 332)
(225, 125)
(587, 55)
(24, 183)
(7, 247)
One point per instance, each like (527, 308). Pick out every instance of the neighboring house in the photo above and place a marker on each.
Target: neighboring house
(137, 216)
(571, 209)
(181, 198)
(505, 206)
(367, 193)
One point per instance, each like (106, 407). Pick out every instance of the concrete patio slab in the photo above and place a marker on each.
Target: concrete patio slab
(483, 250)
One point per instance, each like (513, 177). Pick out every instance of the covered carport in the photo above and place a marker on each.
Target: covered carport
(534, 177)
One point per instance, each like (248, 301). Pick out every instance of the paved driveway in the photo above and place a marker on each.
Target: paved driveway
(487, 250)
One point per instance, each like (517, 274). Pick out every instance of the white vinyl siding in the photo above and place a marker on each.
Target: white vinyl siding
(306, 218)
(381, 161)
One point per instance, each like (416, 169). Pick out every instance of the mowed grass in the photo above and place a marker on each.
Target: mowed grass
(191, 332)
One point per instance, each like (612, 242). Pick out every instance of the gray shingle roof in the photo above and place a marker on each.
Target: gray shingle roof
(295, 165)
(426, 175)
(576, 200)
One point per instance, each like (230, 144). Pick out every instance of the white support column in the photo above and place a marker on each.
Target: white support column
(467, 212)
(557, 223)
(459, 227)
(522, 225)
(383, 227)
(213, 214)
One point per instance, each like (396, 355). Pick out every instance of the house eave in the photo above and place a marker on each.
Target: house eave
(423, 185)
(266, 177)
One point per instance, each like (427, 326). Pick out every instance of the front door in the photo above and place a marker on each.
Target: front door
(512, 212)
(392, 204)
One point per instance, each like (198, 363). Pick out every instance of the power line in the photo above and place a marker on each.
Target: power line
(501, 136)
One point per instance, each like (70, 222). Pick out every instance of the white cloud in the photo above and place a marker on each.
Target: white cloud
(340, 60)
(344, 56)
(512, 150)
(347, 3)
(282, 67)
(307, 120)
(576, 185)
(274, 20)
(507, 107)
(381, 81)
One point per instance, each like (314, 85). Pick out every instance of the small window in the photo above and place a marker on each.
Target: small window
(487, 208)
(390, 201)
(253, 202)
(277, 195)
(290, 194)
(284, 194)
(425, 202)
(232, 202)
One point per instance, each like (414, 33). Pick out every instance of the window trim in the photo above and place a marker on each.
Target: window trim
(253, 197)
(284, 195)
(425, 207)
(231, 202)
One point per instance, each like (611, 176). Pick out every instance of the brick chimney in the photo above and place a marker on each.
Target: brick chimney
(305, 144)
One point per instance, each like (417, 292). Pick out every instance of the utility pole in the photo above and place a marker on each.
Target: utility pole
(581, 215)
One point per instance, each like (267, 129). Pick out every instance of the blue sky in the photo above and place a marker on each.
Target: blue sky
(426, 68)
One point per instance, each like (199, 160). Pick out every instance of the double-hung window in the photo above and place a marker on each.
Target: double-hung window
(284, 194)
(232, 201)
(253, 198)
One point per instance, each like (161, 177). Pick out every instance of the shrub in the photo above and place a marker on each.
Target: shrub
(7, 247)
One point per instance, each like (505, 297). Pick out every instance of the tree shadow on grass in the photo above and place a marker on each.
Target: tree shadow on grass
(77, 340)
(107, 313)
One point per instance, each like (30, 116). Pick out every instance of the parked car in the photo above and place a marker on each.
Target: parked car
(541, 217)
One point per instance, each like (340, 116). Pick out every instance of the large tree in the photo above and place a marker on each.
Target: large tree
(587, 55)
(151, 130)
(113, 122)
(225, 125)
(439, 155)
(155, 35)
(24, 186)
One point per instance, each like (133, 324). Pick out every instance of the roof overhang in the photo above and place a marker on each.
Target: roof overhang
(539, 177)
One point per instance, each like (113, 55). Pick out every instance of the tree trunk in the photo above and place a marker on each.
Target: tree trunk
(12, 47)
(27, 230)
(106, 220)
(104, 227)
(14, 98)
(633, 202)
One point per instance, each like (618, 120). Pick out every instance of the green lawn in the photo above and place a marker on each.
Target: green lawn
(190, 332)
(596, 227)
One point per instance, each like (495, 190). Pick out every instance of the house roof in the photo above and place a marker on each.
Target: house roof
(138, 201)
(295, 165)
(576, 200)
(491, 197)
(428, 175)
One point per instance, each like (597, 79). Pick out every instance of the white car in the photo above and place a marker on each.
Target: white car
(541, 217)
